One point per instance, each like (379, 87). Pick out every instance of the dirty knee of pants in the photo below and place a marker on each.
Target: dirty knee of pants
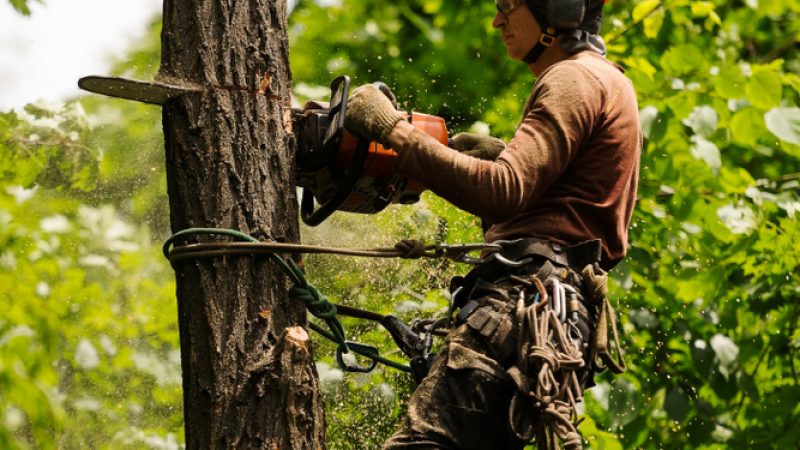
(462, 403)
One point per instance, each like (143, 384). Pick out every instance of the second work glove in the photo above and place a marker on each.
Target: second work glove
(371, 114)
(478, 145)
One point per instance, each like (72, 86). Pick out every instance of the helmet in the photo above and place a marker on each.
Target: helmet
(566, 15)
(577, 21)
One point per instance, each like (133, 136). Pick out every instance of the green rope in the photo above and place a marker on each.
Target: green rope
(302, 290)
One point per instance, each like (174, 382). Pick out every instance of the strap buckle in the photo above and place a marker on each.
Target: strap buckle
(547, 39)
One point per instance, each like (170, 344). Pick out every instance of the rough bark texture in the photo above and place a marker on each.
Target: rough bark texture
(248, 374)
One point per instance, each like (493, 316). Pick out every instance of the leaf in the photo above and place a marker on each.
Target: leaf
(652, 24)
(764, 89)
(735, 180)
(598, 438)
(21, 6)
(644, 8)
(623, 402)
(707, 151)
(730, 82)
(676, 403)
(793, 80)
(747, 125)
(703, 120)
(703, 357)
(725, 386)
(702, 9)
(683, 59)
(784, 123)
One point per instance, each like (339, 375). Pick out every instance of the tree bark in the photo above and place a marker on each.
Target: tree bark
(248, 374)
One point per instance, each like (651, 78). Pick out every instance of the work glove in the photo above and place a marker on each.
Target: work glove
(370, 114)
(478, 145)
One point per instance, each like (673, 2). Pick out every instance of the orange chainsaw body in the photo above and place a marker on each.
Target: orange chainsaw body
(340, 171)
(378, 177)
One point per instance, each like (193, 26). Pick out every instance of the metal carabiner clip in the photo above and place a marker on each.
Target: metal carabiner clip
(460, 252)
(502, 259)
(361, 349)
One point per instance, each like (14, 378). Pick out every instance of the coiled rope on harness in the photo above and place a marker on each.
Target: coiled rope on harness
(550, 361)
(316, 303)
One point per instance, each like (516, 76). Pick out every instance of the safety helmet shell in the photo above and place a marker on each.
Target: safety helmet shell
(564, 15)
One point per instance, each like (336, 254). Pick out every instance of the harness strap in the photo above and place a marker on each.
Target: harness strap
(575, 257)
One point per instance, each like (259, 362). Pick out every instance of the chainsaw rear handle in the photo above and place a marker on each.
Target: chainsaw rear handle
(340, 91)
(344, 187)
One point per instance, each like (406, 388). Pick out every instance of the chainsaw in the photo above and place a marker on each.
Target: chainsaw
(337, 170)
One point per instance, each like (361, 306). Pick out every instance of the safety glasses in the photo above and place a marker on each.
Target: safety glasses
(507, 6)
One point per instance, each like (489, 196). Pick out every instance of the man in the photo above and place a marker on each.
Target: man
(523, 345)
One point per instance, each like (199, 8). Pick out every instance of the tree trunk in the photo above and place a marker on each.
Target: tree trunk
(248, 374)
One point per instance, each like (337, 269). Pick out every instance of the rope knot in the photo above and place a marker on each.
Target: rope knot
(315, 301)
(411, 248)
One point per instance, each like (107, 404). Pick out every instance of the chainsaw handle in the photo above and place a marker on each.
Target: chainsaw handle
(314, 217)
(340, 90)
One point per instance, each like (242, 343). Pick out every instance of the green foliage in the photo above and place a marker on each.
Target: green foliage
(22, 6)
(708, 294)
(88, 338)
(440, 57)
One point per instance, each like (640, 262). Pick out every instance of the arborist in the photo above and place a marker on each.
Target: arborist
(559, 198)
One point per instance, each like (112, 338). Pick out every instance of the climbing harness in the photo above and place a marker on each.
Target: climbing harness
(545, 310)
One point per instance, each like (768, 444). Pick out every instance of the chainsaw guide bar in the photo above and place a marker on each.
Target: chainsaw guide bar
(153, 92)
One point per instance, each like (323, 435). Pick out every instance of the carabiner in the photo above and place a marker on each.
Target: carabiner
(460, 252)
(361, 349)
(502, 259)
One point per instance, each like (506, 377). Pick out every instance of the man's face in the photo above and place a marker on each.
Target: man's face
(518, 26)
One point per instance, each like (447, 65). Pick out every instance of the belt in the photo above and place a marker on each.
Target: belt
(535, 252)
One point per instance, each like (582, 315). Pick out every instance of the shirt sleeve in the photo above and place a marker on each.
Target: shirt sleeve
(565, 104)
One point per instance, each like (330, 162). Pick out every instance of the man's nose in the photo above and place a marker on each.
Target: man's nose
(499, 20)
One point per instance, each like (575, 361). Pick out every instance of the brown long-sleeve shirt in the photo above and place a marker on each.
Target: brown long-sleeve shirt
(568, 175)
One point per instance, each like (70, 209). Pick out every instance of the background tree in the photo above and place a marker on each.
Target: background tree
(708, 296)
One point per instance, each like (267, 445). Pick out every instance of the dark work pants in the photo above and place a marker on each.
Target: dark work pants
(459, 405)
(463, 403)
